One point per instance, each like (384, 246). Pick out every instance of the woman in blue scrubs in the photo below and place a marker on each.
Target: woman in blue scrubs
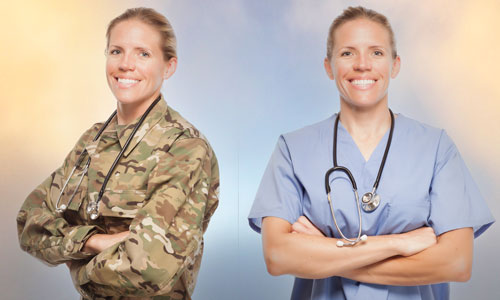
(421, 235)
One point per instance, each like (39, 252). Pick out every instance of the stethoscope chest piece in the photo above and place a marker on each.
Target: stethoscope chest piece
(93, 205)
(370, 201)
(93, 210)
(61, 208)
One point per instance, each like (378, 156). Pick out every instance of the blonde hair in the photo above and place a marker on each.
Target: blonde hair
(158, 21)
(359, 12)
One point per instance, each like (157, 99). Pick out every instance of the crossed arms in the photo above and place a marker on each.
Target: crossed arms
(417, 257)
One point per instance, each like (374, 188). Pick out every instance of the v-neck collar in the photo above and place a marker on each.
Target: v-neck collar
(343, 136)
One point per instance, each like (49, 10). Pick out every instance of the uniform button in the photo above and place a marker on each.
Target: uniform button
(70, 247)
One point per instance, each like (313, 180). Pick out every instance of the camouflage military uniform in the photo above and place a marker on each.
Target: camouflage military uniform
(164, 190)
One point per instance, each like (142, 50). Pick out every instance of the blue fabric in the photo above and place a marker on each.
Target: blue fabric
(424, 183)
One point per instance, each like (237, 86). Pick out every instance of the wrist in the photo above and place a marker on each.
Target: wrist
(90, 245)
(396, 244)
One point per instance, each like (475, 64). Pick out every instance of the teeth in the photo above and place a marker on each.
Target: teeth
(363, 82)
(126, 80)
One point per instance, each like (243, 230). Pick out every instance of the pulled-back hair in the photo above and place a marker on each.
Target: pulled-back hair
(168, 43)
(354, 13)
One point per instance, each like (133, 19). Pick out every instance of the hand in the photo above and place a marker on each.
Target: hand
(304, 226)
(416, 240)
(98, 242)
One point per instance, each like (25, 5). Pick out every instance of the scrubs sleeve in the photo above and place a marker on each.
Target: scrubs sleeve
(280, 192)
(454, 196)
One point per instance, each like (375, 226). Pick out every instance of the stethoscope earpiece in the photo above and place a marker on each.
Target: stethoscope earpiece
(362, 238)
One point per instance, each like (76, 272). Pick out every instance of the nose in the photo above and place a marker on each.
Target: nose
(362, 62)
(127, 62)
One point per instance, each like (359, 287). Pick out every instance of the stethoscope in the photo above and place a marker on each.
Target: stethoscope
(93, 205)
(370, 200)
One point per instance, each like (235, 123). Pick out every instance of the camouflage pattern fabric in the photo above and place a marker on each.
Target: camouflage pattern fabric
(164, 190)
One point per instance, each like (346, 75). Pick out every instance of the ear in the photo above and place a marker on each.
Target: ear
(328, 68)
(396, 65)
(171, 66)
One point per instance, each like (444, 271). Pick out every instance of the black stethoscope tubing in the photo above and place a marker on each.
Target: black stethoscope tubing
(384, 158)
(370, 200)
(93, 206)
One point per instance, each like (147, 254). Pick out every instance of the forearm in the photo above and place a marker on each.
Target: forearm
(42, 231)
(449, 260)
(312, 256)
(138, 266)
(59, 249)
(165, 239)
(319, 257)
(46, 234)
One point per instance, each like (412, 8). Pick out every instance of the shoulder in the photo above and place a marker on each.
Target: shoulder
(311, 134)
(88, 135)
(419, 129)
(424, 133)
(426, 140)
(181, 134)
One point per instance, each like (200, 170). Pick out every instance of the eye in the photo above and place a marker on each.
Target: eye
(346, 53)
(378, 53)
(114, 52)
(144, 54)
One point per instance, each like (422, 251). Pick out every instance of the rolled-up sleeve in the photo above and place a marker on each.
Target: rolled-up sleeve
(165, 236)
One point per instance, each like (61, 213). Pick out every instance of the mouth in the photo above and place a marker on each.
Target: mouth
(126, 82)
(363, 84)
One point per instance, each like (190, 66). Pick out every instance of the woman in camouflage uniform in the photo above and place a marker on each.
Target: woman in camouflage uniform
(141, 236)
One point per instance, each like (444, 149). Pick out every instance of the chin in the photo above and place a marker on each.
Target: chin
(363, 104)
(127, 98)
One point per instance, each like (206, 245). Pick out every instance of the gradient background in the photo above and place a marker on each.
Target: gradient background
(248, 71)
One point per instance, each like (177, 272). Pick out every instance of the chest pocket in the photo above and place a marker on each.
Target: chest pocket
(118, 208)
(122, 203)
(408, 210)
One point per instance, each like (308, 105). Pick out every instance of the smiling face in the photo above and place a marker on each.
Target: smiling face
(361, 63)
(135, 68)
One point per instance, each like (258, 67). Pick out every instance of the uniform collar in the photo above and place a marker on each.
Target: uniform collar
(124, 131)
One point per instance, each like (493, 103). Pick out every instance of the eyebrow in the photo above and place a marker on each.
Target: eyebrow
(354, 48)
(135, 48)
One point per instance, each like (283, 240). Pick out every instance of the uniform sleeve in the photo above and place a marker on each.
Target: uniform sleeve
(42, 232)
(455, 198)
(165, 236)
(280, 192)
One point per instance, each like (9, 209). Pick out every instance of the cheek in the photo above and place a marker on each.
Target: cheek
(385, 68)
(109, 67)
(155, 72)
(339, 74)
(341, 70)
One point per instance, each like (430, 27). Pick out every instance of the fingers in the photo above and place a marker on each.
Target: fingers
(300, 228)
(304, 226)
(418, 240)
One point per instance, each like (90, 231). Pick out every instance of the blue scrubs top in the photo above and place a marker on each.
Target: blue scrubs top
(424, 183)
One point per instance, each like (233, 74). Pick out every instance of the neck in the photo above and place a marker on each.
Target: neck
(126, 113)
(367, 123)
